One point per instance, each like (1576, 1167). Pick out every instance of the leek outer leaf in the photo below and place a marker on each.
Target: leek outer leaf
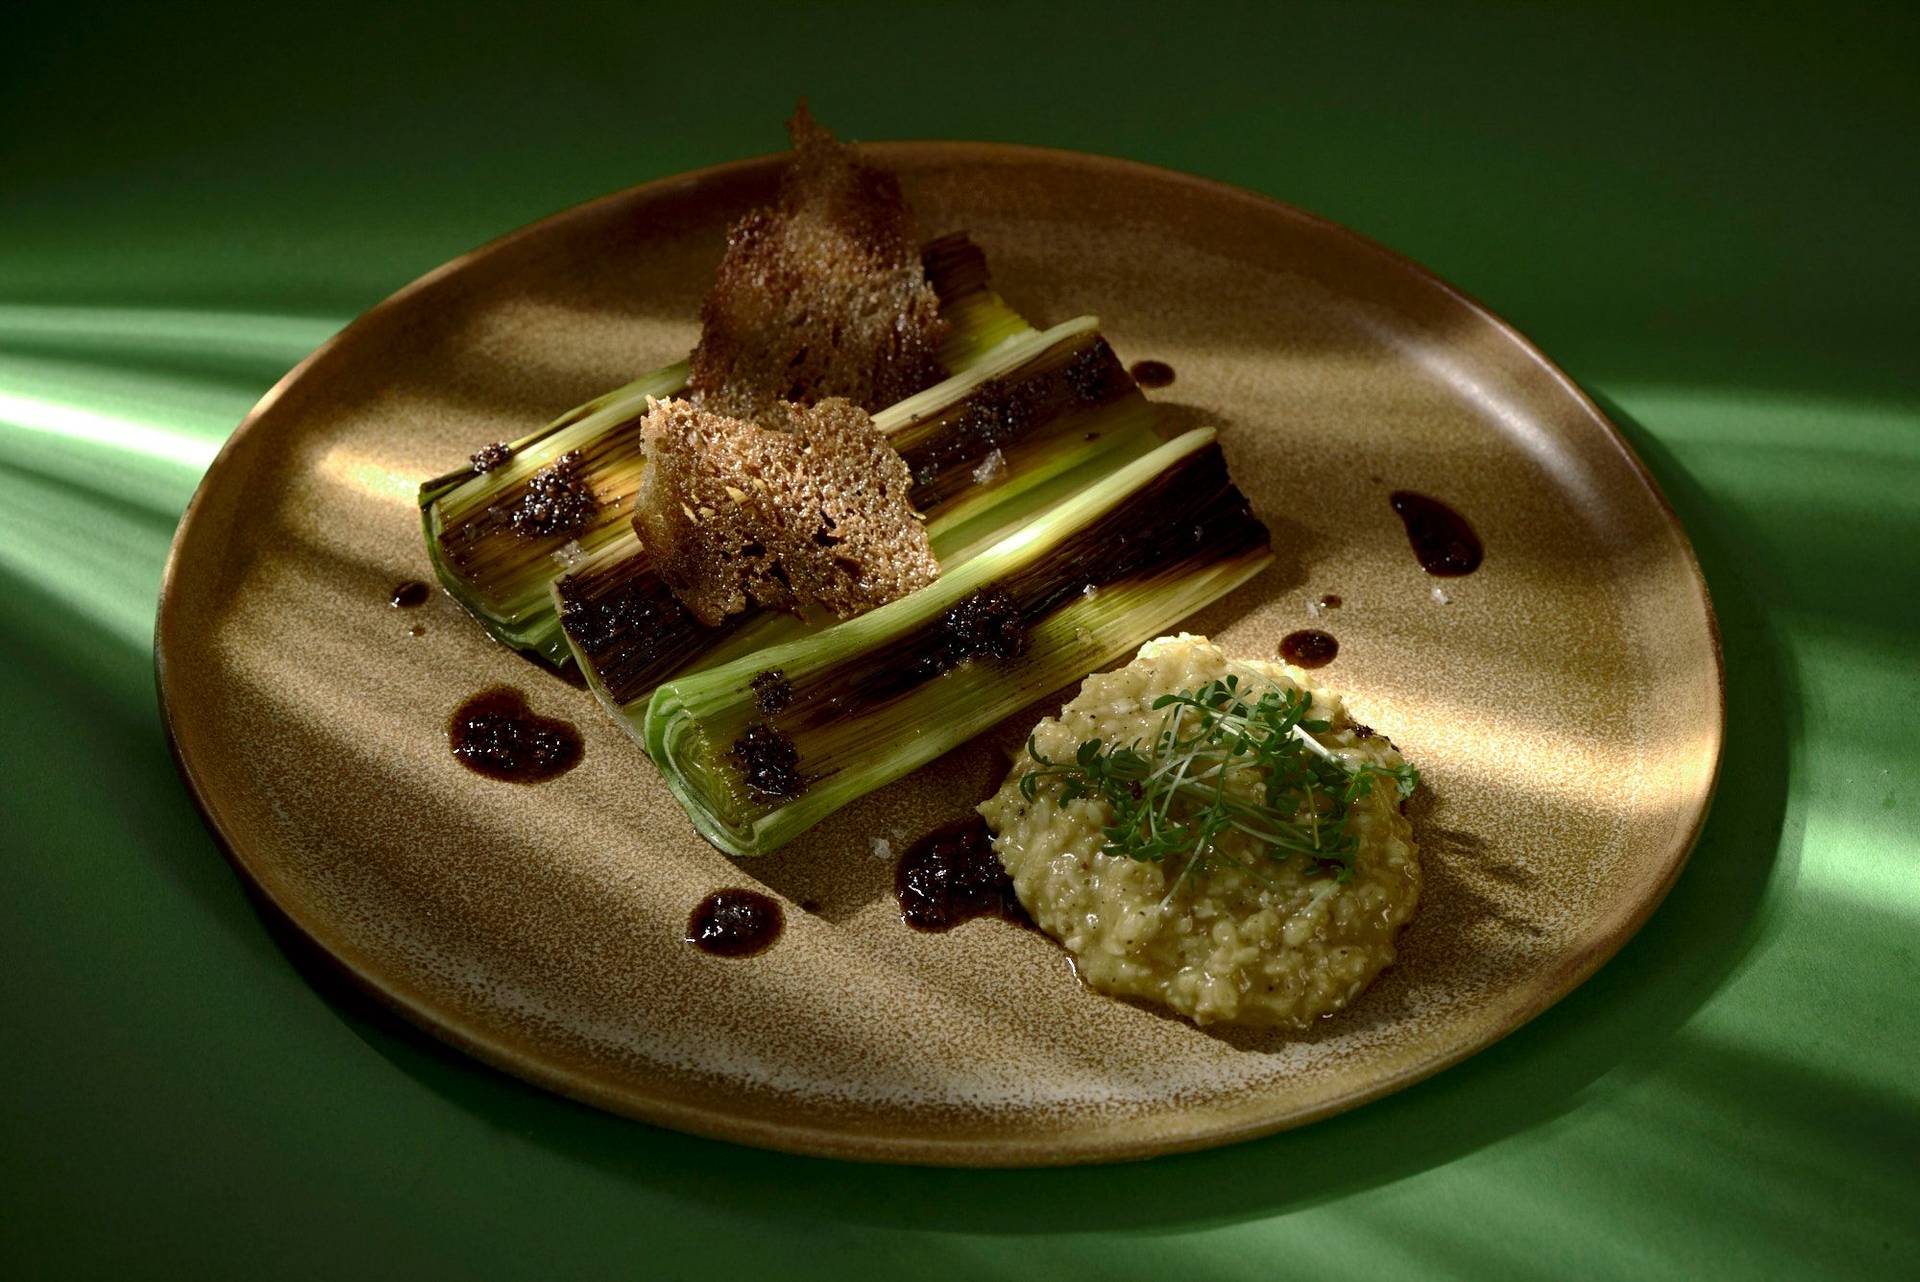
(882, 694)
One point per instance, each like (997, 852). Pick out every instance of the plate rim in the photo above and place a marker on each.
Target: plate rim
(1088, 1146)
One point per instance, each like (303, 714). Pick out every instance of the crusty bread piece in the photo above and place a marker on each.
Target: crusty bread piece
(820, 295)
(701, 511)
(815, 514)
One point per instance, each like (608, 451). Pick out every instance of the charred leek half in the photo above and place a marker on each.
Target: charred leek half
(499, 567)
(499, 536)
(760, 749)
(1038, 419)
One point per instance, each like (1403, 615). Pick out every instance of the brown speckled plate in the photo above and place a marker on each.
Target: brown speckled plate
(540, 927)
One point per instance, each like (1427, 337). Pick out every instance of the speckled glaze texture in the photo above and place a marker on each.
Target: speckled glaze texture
(1563, 703)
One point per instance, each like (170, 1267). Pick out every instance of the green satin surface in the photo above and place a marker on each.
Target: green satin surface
(1707, 218)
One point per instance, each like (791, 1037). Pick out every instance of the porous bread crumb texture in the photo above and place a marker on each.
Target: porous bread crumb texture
(822, 294)
(1279, 950)
(816, 513)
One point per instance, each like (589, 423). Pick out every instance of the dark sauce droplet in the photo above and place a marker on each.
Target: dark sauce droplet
(495, 734)
(1442, 540)
(1331, 601)
(735, 923)
(1151, 373)
(951, 875)
(416, 631)
(1309, 648)
(407, 595)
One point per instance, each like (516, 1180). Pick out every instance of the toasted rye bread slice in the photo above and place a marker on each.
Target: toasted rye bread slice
(820, 295)
(816, 514)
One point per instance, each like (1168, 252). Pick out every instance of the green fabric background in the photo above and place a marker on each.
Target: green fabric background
(1706, 218)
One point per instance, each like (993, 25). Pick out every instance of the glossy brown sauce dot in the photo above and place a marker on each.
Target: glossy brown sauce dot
(407, 595)
(1151, 373)
(495, 734)
(416, 631)
(735, 923)
(1331, 601)
(1309, 648)
(1443, 542)
(951, 875)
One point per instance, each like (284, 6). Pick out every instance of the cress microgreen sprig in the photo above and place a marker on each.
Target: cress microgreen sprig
(1172, 797)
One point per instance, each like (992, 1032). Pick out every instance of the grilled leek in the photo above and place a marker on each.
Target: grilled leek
(1045, 414)
(759, 749)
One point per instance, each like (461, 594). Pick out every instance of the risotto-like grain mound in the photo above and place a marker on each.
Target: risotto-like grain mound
(1280, 949)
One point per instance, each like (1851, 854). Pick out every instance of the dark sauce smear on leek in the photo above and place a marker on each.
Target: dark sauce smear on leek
(951, 875)
(769, 764)
(1309, 648)
(772, 691)
(1094, 375)
(554, 504)
(495, 734)
(488, 457)
(557, 500)
(987, 625)
(735, 923)
(1443, 542)
(407, 595)
(1151, 373)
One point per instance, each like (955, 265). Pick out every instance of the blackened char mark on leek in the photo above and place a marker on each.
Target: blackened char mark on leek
(1188, 517)
(632, 628)
(1001, 413)
(954, 266)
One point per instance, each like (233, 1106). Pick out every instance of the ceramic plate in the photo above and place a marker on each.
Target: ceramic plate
(1564, 702)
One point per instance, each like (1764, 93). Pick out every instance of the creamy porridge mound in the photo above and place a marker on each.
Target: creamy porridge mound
(1250, 939)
